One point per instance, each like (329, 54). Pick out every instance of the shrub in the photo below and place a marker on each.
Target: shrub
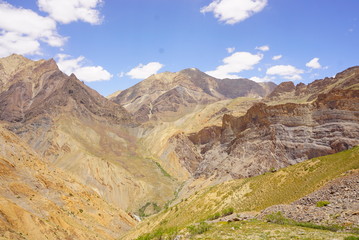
(277, 218)
(322, 203)
(199, 229)
(214, 216)
(227, 211)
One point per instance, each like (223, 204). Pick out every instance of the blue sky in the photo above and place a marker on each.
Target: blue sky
(112, 45)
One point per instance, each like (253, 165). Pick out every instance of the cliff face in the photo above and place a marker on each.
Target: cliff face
(272, 137)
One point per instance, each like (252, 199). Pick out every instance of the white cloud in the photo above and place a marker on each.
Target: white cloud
(236, 63)
(285, 71)
(144, 71)
(234, 11)
(277, 57)
(263, 79)
(69, 65)
(314, 63)
(66, 11)
(263, 48)
(22, 28)
(230, 50)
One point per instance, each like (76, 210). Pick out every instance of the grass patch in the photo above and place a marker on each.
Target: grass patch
(161, 233)
(163, 171)
(322, 203)
(351, 238)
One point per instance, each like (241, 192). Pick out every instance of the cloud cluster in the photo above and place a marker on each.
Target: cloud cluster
(314, 63)
(66, 11)
(144, 71)
(69, 65)
(22, 31)
(285, 71)
(236, 63)
(234, 11)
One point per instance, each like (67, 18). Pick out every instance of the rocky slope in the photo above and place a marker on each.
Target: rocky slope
(39, 201)
(79, 131)
(272, 137)
(168, 96)
(340, 199)
(288, 92)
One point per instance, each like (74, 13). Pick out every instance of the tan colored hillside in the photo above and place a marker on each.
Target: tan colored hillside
(39, 201)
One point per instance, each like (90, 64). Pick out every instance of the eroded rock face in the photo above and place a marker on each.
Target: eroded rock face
(272, 137)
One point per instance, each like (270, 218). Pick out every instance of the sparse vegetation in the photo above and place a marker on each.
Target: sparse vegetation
(278, 218)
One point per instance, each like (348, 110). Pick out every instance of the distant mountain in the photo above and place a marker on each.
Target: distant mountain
(170, 95)
(288, 92)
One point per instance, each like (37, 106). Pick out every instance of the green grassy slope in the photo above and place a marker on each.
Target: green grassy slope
(253, 194)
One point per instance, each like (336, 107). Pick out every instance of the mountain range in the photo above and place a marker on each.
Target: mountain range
(75, 164)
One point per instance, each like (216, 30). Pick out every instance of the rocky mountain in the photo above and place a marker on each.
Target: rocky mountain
(168, 95)
(77, 165)
(79, 131)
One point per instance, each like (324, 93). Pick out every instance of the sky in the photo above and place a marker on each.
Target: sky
(113, 44)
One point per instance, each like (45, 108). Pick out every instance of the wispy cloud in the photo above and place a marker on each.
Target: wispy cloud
(230, 50)
(277, 57)
(263, 48)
